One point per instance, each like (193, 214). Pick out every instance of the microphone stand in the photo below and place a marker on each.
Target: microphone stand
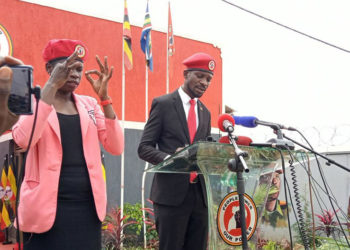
(279, 142)
(329, 161)
(237, 165)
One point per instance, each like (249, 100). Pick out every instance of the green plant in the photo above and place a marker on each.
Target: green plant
(330, 243)
(113, 225)
(133, 212)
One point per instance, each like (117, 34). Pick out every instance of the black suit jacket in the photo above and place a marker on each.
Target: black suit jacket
(165, 131)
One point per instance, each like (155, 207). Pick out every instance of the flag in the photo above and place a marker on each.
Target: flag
(127, 39)
(11, 180)
(103, 166)
(146, 41)
(5, 218)
(171, 44)
(3, 182)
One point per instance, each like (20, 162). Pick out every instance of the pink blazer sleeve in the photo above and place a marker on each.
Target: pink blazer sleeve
(22, 129)
(110, 132)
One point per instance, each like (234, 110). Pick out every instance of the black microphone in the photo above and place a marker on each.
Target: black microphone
(226, 123)
(252, 122)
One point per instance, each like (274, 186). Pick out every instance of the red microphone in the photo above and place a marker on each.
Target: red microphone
(243, 141)
(226, 123)
(224, 139)
(240, 140)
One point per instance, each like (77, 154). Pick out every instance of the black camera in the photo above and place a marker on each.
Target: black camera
(20, 99)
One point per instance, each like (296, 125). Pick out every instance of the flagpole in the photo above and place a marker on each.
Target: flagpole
(146, 94)
(122, 155)
(167, 53)
(123, 129)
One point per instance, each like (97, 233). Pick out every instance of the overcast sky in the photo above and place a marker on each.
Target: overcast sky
(268, 71)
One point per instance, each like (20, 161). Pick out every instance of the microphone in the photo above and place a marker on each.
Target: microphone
(240, 140)
(226, 123)
(252, 122)
(243, 141)
(224, 140)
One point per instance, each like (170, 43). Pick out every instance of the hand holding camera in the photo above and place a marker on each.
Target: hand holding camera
(6, 74)
(7, 118)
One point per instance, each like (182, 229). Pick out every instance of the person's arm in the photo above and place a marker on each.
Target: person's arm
(147, 150)
(109, 130)
(100, 86)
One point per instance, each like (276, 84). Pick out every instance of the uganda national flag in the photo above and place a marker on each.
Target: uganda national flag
(127, 39)
(11, 180)
(146, 41)
(5, 218)
(3, 182)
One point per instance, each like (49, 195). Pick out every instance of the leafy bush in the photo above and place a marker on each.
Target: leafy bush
(132, 226)
(134, 213)
(113, 225)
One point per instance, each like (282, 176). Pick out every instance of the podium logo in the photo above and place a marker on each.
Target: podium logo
(6, 47)
(229, 219)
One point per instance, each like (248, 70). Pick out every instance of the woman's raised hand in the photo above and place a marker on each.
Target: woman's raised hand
(100, 85)
(59, 74)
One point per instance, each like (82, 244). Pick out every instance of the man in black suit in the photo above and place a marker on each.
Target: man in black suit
(176, 120)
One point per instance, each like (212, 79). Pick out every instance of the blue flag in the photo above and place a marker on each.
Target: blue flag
(146, 41)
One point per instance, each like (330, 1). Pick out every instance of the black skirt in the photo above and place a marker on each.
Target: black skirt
(76, 227)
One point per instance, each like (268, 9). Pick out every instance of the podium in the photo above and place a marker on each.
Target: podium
(261, 186)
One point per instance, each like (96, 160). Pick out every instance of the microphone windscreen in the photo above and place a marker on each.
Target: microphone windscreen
(243, 141)
(221, 120)
(224, 139)
(246, 121)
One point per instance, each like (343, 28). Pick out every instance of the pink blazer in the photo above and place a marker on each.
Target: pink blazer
(38, 196)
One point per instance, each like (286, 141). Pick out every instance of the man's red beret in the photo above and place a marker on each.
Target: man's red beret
(200, 62)
(63, 48)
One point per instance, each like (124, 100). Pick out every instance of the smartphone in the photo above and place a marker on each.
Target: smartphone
(20, 99)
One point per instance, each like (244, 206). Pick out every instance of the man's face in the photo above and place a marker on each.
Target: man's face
(274, 178)
(196, 83)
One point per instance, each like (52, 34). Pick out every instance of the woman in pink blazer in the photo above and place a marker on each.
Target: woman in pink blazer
(63, 194)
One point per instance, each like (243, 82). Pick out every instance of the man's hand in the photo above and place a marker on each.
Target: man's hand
(179, 149)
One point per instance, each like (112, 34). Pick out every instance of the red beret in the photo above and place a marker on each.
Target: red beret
(201, 62)
(63, 48)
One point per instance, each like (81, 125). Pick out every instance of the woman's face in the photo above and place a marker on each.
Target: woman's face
(74, 76)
